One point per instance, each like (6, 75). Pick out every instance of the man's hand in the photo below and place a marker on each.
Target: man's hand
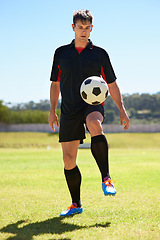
(124, 119)
(53, 119)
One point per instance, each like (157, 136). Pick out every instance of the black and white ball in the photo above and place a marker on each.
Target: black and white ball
(94, 90)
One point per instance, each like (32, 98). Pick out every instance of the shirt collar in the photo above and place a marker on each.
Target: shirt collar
(89, 45)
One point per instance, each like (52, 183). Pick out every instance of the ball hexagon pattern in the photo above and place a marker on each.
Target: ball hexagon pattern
(94, 90)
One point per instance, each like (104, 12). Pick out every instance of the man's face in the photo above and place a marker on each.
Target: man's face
(82, 30)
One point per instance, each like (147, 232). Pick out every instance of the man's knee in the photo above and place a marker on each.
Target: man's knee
(70, 154)
(67, 157)
(94, 123)
(69, 161)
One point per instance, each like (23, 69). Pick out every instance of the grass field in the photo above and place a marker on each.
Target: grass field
(33, 190)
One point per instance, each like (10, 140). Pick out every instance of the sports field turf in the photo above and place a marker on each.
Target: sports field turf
(33, 191)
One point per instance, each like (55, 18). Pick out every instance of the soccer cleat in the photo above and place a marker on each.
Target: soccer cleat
(73, 209)
(108, 188)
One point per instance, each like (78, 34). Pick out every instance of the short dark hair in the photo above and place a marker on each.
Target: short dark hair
(82, 15)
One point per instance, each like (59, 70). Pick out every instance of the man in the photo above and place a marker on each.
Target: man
(72, 64)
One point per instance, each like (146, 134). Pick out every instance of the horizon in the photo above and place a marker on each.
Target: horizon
(42, 100)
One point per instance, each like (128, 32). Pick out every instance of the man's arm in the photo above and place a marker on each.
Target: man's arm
(116, 96)
(54, 95)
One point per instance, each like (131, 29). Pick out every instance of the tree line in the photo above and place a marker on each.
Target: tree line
(141, 108)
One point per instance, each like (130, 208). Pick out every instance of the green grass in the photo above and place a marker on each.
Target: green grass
(28, 140)
(33, 192)
(50, 140)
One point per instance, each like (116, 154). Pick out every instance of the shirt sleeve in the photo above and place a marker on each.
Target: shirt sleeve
(56, 71)
(107, 71)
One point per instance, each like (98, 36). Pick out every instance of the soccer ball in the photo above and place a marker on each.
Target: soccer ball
(94, 90)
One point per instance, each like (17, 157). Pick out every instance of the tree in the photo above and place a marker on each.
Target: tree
(4, 113)
(109, 116)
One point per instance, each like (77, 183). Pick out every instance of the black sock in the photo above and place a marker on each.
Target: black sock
(99, 149)
(73, 178)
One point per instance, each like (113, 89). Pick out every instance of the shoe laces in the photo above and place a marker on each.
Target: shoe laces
(71, 207)
(109, 183)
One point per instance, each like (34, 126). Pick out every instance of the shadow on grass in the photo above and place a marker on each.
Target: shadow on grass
(50, 226)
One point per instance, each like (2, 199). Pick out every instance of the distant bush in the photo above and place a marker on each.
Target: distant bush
(4, 113)
(144, 108)
(28, 116)
(109, 116)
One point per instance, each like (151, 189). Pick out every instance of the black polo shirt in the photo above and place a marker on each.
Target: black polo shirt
(71, 69)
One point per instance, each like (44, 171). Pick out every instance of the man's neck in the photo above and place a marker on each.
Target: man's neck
(79, 44)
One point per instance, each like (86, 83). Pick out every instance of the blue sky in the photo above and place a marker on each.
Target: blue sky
(31, 30)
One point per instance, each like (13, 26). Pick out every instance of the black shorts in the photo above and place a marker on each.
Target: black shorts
(72, 129)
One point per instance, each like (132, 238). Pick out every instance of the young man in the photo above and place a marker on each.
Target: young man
(72, 64)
